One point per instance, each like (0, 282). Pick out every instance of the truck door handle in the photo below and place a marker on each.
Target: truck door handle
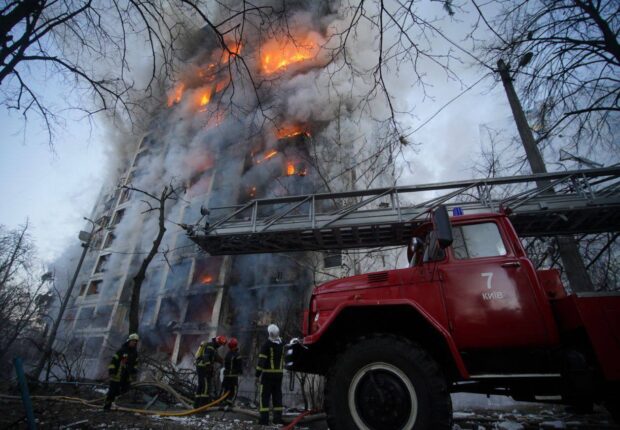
(512, 264)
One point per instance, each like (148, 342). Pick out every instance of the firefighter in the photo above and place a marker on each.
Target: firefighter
(269, 374)
(232, 371)
(123, 369)
(206, 357)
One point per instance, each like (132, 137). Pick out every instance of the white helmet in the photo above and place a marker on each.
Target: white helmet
(133, 336)
(274, 331)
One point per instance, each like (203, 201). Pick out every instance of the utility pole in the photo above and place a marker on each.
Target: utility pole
(567, 246)
(86, 238)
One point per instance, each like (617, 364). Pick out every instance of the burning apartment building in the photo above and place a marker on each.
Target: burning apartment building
(220, 139)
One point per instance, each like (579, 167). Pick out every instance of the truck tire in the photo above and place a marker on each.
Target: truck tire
(386, 383)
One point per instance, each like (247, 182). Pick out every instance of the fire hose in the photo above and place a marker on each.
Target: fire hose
(183, 400)
(174, 414)
(89, 403)
(298, 418)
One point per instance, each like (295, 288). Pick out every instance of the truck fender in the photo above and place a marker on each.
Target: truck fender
(441, 330)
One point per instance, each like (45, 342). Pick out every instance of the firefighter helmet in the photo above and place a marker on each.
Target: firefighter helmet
(274, 331)
(220, 340)
(133, 336)
(233, 343)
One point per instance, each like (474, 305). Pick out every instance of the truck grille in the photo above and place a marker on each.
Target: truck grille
(378, 277)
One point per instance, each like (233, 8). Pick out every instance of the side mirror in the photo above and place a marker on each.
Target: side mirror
(414, 250)
(442, 227)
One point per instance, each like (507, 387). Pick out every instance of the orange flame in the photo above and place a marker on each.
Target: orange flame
(290, 131)
(234, 49)
(269, 155)
(206, 98)
(206, 279)
(207, 72)
(277, 56)
(290, 169)
(176, 94)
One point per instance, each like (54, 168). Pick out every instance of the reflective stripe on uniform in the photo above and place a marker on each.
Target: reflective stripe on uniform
(271, 358)
(261, 408)
(205, 392)
(200, 350)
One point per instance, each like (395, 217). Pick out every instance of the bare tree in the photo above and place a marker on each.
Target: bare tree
(155, 204)
(22, 288)
(498, 157)
(86, 45)
(566, 56)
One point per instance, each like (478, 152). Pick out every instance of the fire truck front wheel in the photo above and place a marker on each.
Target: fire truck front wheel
(387, 383)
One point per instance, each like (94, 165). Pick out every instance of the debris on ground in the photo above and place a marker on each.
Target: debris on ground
(54, 409)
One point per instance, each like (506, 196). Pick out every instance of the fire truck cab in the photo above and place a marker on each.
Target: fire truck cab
(470, 314)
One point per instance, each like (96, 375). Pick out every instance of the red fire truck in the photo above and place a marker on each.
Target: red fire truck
(470, 314)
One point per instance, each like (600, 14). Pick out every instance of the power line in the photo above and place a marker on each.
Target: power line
(447, 104)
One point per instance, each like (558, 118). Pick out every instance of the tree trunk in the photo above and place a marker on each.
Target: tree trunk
(138, 279)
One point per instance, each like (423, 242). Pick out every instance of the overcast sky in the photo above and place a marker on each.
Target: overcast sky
(52, 190)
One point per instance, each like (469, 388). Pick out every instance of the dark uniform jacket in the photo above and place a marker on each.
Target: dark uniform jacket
(232, 364)
(271, 359)
(124, 364)
(207, 354)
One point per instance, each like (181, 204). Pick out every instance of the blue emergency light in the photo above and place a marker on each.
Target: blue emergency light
(457, 211)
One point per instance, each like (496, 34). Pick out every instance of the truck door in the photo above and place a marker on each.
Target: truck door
(489, 299)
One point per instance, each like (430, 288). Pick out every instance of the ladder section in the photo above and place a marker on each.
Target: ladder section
(583, 201)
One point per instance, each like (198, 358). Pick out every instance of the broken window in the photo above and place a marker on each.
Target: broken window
(125, 196)
(332, 259)
(178, 275)
(118, 216)
(101, 263)
(108, 202)
(207, 271)
(169, 313)
(95, 240)
(108, 240)
(200, 308)
(94, 287)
